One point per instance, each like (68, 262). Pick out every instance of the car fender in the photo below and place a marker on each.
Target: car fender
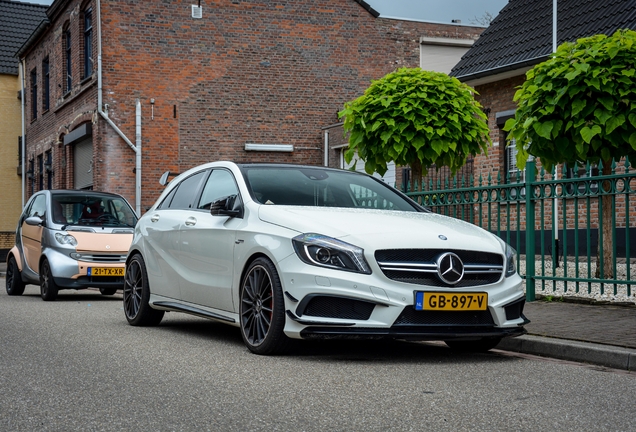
(15, 252)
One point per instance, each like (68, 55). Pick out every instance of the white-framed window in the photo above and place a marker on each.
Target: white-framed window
(512, 173)
(388, 177)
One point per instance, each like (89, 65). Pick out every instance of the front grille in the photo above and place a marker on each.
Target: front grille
(336, 307)
(412, 317)
(419, 266)
(103, 258)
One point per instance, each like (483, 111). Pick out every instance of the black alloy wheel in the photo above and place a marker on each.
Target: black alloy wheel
(137, 295)
(478, 345)
(14, 284)
(262, 314)
(48, 288)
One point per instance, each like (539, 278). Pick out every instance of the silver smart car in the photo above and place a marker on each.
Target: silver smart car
(71, 239)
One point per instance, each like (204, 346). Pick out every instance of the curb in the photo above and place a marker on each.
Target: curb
(583, 352)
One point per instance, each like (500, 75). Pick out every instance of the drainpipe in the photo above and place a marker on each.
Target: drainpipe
(23, 143)
(136, 148)
(138, 157)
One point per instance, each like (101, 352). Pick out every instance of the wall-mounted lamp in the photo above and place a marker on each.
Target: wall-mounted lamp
(269, 147)
(48, 167)
(29, 174)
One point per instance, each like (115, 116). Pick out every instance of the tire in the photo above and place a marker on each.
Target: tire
(479, 345)
(48, 288)
(108, 291)
(137, 295)
(262, 309)
(13, 279)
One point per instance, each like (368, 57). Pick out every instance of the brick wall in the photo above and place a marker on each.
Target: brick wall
(247, 72)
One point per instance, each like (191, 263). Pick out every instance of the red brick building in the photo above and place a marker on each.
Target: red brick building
(178, 85)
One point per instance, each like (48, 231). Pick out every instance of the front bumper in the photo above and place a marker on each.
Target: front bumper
(336, 304)
(69, 273)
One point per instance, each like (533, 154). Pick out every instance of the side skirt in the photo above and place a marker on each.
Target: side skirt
(178, 307)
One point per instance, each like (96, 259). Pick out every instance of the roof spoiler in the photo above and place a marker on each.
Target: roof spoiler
(165, 177)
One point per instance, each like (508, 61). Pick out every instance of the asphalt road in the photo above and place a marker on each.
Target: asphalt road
(75, 364)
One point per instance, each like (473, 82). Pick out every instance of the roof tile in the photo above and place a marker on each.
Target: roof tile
(17, 21)
(522, 32)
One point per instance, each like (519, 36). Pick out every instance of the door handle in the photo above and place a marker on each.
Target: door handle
(154, 218)
(191, 221)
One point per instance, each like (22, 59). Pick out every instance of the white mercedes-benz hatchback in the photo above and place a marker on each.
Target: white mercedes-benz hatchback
(299, 252)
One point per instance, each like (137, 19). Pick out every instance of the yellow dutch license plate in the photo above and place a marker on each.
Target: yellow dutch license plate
(105, 271)
(451, 301)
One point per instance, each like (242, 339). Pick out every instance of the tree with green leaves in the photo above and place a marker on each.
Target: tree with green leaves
(417, 118)
(579, 106)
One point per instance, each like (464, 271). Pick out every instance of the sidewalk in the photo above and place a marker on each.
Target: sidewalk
(599, 334)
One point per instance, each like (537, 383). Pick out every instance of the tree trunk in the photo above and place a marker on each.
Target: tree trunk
(608, 241)
(416, 178)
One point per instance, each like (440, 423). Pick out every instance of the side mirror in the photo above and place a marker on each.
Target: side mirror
(34, 221)
(227, 206)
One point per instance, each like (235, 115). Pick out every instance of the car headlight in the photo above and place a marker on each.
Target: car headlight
(323, 251)
(511, 267)
(65, 239)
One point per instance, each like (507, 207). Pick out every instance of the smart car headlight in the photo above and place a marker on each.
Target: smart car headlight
(66, 239)
(511, 267)
(323, 251)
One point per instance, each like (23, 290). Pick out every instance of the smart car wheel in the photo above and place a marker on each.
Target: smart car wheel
(478, 345)
(262, 311)
(15, 286)
(48, 288)
(137, 295)
(108, 291)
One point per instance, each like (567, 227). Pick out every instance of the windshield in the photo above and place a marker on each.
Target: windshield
(92, 210)
(316, 187)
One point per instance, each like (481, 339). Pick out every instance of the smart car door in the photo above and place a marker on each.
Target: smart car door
(163, 257)
(207, 246)
(31, 235)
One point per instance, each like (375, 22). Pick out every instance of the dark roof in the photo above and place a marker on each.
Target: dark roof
(521, 35)
(17, 22)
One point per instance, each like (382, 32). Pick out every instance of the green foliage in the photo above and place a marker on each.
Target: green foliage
(580, 104)
(412, 115)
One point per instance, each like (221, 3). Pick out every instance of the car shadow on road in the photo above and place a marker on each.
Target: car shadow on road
(340, 351)
(91, 294)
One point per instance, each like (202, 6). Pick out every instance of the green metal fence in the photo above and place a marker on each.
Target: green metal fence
(524, 208)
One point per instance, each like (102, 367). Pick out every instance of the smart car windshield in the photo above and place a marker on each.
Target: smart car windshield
(317, 187)
(92, 210)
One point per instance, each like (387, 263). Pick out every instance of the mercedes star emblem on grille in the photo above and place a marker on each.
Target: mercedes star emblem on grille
(450, 268)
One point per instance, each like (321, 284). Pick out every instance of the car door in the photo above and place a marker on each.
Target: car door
(31, 235)
(163, 258)
(207, 246)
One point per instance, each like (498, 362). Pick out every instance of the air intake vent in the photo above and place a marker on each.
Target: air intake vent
(335, 307)
(197, 11)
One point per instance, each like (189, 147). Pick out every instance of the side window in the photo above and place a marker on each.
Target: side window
(38, 208)
(185, 193)
(167, 200)
(219, 185)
